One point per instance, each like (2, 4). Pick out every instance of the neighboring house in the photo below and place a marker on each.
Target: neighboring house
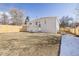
(45, 24)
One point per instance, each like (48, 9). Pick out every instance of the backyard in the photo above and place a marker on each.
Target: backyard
(24, 43)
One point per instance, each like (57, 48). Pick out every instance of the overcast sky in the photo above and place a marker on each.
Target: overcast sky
(42, 10)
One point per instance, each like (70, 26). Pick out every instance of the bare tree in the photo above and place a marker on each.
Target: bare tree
(65, 21)
(17, 16)
(4, 19)
(76, 16)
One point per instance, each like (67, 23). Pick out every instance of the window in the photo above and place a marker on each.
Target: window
(39, 24)
(45, 21)
(36, 23)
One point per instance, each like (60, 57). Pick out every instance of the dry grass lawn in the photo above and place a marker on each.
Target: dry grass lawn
(29, 44)
(15, 43)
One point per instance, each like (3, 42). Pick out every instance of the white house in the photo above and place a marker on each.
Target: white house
(45, 24)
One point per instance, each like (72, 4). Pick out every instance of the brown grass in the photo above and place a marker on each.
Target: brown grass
(32, 44)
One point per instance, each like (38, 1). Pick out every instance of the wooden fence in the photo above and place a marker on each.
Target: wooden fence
(74, 31)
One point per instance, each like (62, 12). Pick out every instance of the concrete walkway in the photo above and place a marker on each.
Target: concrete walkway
(69, 45)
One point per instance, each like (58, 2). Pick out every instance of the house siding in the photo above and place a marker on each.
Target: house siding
(46, 24)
